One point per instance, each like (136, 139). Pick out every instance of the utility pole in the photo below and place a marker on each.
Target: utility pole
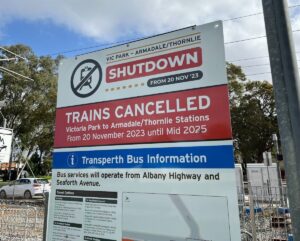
(287, 97)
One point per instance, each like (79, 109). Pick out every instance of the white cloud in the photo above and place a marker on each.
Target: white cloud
(113, 20)
(109, 20)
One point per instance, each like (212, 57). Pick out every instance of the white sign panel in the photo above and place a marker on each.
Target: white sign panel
(143, 67)
(5, 144)
(143, 146)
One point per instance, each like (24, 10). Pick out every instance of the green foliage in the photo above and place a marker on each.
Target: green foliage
(30, 108)
(39, 165)
(253, 114)
(45, 177)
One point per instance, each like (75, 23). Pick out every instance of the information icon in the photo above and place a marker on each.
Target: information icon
(72, 160)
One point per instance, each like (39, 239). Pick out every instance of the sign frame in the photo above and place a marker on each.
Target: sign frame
(176, 79)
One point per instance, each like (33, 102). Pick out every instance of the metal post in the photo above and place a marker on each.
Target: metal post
(10, 159)
(287, 95)
(46, 201)
(252, 213)
(275, 140)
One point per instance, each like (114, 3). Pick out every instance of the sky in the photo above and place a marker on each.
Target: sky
(72, 27)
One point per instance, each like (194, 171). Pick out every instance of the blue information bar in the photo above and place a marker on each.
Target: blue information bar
(166, 157)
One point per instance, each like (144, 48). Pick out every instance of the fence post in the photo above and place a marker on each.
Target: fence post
(252, 213)
(46, 202)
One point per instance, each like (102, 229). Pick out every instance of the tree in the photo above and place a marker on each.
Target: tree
(253, 113)
(30, 103)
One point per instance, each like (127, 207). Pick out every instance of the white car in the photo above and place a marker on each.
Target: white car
(26, 188)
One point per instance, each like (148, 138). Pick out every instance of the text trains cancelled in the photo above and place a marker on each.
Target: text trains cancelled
(159, 107)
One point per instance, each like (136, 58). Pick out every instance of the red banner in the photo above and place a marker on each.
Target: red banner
(192, 115)
(184, 59)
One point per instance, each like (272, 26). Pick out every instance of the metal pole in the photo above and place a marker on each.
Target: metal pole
(275, 140)
(46, 202)
(287, 95)
(10, 159)
(252, 212)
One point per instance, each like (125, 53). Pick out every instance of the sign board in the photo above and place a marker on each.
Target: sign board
(6, 136)
(143, 146)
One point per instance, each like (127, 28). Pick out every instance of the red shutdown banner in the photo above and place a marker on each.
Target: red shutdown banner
(184, 59)
(190, 115)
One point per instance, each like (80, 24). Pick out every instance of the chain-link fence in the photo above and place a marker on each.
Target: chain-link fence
(21, 220)
(264, 214)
